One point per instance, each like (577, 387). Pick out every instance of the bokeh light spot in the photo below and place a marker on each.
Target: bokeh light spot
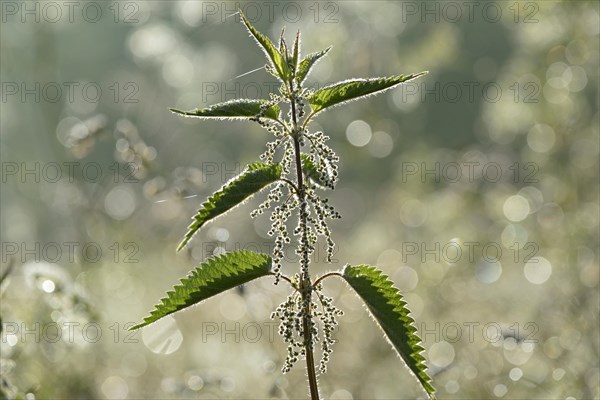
(500, 390)
(119, 203)
(358, 133)
(413, 213)
(452, 386)
(538, 270)
(381, 145)
(441, 354)
(115, 387)
(516, 208)
(406, 278)
(232, 306)
(341, 394)
(541, 138)
(515, 374)
(558, 374)
(48, 286)
(488, 271)
(163, 336)
(195, 382)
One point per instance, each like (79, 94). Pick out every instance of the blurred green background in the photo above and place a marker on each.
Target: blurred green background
(499, 265)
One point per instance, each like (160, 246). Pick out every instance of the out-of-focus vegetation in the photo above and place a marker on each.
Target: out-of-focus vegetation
(500, 266)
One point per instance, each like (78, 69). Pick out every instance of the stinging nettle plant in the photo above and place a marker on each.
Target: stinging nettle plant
(296, 178)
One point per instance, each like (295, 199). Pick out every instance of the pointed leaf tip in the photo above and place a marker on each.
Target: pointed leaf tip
(277, 59)
(308, 62)
(253, 179)
(214, 276)
(353, 89)
(234, 109)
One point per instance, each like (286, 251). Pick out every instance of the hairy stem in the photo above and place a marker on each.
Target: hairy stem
(310, 358)
(305, 284)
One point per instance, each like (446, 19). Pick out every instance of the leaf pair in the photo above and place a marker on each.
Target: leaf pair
(326, 97)
(286, 67)
(383, 301)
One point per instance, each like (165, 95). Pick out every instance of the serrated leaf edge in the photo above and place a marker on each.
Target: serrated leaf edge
(225, 263)
(209, 204)
(282, 70)
(193, 113)
(359, 80)
(386, 288)
(312, 59)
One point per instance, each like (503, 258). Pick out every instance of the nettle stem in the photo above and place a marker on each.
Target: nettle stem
(305, 285)
(310, 358)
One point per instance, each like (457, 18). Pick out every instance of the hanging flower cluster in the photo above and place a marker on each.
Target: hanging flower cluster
(319, 171)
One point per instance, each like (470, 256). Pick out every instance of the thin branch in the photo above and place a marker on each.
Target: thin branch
(307, 120)
(284, 126)
(318, 280)
(320, 297)
(291, 184)
(285, 278)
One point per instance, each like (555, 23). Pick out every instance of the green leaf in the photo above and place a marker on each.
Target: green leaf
(307, 63)
(352, 89)
(282, 44)
(254, 178)
(389, 309)
(296, 52)
(310, 170)
(210, 278)
(276, 57)
(233, 109)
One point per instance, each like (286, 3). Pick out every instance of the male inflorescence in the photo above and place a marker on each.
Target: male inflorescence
(291, 314)
(313, 213)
